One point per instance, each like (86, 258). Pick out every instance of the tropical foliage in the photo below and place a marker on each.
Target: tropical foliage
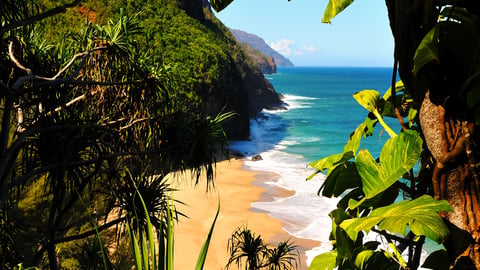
(369, 189)
(247, 248)
(91, 125)
(434, 153)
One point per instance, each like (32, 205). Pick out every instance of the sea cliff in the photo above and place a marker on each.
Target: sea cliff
(257, 43)
(248, 92)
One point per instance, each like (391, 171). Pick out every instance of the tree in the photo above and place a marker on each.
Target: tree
(245, 246)
(79, 119)
(438, 111)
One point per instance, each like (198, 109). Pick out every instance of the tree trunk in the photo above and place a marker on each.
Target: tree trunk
(448, 135)
(456, 182)
(52, 257)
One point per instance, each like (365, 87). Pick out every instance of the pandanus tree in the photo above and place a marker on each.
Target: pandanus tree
(78, 120)
(436, 103)
(251, 250)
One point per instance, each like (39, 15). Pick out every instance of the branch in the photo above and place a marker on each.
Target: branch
(134, 122)
(43, 169)
(91, 232)
(52, 80)
(15, 61)
(399, 239)
(44, 246)
(38, 17)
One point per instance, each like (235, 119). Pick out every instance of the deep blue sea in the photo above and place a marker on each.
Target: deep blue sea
(320, 116)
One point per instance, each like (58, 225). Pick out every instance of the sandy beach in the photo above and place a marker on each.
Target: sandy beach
(237, 189)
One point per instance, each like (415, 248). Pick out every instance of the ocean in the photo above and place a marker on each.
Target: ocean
(320, 116)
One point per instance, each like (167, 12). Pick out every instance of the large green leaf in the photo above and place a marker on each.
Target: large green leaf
(398, 156)
(341, 178)
(459, 45)
(327, 162)
(427, 51)
(334, 8)
(362, 258)
(324, 261)
(437, 260)
(368, 99)
(399, 87)
(401, 153)
(349, 151)
(421, 215)
(331, 162)
(219, 5)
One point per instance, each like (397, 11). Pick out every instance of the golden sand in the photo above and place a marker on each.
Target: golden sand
(237, 191)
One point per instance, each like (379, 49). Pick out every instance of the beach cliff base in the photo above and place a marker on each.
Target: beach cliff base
(237, 190)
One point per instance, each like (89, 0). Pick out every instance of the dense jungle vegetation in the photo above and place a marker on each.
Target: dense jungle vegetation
(99, 101)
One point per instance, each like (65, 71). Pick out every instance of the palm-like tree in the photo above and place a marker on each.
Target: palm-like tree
(284, 256)
(245, 247)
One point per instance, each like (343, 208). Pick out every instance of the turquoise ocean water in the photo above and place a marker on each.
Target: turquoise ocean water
(321, 114)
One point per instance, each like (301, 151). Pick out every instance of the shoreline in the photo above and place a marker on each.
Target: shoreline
(238, 188)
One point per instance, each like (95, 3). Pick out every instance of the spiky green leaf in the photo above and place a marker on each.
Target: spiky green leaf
(203, 252)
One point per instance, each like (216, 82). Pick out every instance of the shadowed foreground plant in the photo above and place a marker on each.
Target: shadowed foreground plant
(284, 256)
(245, 246)
(147, 255)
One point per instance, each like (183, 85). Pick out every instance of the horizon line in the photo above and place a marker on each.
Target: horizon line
(327, 66)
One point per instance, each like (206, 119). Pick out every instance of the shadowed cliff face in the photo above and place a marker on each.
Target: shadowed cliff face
(194, 8)
(247, 91)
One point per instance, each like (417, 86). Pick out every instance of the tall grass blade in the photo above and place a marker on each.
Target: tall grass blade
(144, 250)
(136, 248)
(149, 231)
(106, 261)
(170, 238)
(162, 262)
(203, 252)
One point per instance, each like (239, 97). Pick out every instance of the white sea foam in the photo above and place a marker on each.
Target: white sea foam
(305, 214)
(298, 102)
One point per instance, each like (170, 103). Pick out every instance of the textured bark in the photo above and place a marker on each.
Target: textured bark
(459, 185)
(448, 135)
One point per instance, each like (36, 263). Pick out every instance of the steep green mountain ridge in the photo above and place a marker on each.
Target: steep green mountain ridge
(259, 44)
(265, 63)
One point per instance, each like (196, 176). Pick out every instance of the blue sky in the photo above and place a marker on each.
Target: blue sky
(359, 36)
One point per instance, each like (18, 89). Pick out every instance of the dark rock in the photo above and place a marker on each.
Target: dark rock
(257, 158)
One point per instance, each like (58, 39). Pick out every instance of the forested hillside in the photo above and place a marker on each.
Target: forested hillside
(204, 56)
